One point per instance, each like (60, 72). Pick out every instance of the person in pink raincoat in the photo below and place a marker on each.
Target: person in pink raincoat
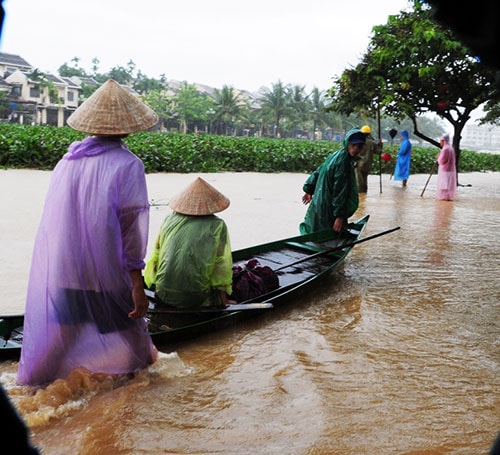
(447, 171)
(85, 303)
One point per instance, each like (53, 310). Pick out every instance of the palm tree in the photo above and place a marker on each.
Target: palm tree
(318, 113)
(190, 106)
(275, 104)
(298, 114)
(227, 108)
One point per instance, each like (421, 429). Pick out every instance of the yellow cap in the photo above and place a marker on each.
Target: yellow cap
(366, 129)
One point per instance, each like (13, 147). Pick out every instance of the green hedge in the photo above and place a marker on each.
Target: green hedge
(41, 147)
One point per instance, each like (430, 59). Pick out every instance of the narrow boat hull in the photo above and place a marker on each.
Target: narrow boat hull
(300, 263)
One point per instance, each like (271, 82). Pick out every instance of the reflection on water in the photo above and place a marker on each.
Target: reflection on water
(397, 353)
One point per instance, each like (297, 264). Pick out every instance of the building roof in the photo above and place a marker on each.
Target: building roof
(13, 60)
(80, 80)
(55, 79)
(70, 82)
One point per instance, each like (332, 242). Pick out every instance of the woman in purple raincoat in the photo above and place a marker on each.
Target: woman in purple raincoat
(86, 303)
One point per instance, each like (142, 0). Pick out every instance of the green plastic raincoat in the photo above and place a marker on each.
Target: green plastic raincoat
(334, 190)
(191, 262)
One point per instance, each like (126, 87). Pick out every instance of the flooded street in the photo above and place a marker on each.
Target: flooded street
(397, 353)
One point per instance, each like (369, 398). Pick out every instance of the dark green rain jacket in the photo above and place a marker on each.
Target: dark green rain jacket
(334, 190)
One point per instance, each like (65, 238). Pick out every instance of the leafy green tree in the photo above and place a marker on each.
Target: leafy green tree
(66, 70)
(414, 66)
(492, 112)
(334, 122)
(86, 91)
(143, 84)
(249, 120)
(43, 82)
(5, 108)
(191, 106)
(95, 65)
(161, 103)
(123, 75)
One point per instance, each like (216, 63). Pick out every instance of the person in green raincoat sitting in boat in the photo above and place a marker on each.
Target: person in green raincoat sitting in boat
(331, 190)
(191, 265)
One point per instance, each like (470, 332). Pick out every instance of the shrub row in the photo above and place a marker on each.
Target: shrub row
(41, 147)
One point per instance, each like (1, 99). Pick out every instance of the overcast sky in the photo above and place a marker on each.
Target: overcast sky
(245, 45)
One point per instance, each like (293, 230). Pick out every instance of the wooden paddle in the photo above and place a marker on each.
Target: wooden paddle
(428, 179)
(393, 169)
(250, 304)
(235, 307)
(337, 248)
(320, 253)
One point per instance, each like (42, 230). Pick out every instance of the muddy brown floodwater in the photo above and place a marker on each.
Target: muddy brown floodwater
(397, 353)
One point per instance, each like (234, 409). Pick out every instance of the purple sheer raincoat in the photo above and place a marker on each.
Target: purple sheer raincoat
(93, 232)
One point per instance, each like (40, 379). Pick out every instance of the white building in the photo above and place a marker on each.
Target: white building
(36, 98)
(484, 137)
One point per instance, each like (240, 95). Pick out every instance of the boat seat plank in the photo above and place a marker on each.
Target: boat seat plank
(9, 344)
(318, 247)
(275, 259)
(306, 246)
(294, 278)
(334, 243)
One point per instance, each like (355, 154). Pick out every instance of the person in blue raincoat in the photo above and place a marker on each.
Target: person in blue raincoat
(331, 190)
(402, 169)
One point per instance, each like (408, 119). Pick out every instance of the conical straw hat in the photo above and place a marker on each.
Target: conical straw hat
(199, 198)
(112, 110)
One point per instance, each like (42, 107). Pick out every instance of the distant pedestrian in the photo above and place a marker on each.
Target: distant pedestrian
(402, 170)
(447, 171)
(365, 159)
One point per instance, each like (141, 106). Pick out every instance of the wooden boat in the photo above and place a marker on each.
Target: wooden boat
(298, 261)
(11, 335)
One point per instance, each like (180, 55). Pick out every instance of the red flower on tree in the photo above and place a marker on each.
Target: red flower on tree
(442, 105)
